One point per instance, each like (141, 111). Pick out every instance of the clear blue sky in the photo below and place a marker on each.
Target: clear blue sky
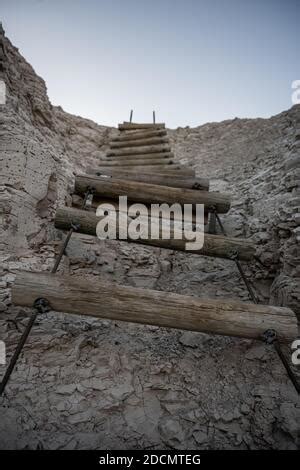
(193, 61)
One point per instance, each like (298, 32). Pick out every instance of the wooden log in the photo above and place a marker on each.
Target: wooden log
(151, 168)
(129, 126)
(163, 170)
(142, 156)
(77, 203)
(75, 295)
(141, 134)
(140, 142)
(115, 203)
(152, 193)
(140, 150)
(214, 245)
(136, 161)
(189, 182)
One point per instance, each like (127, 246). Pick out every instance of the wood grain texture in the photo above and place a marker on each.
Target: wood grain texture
(130, 160)
(96, 201)
(128, 126)
(165, 170)
(152, 193)
(214, 245)
(144, 149)
(140, 134)
(138, 156)
(100, 299)
(139, 143)
(174, 181)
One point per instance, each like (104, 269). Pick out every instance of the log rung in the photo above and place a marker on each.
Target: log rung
(136, 162)
(188, 182)
(139, 143)
(138, 156)
(77, 203)
(165, 170)
(214, 245)
(141, 134)
(128, 126)
(151, 193)
(140, 150)
(75, 295)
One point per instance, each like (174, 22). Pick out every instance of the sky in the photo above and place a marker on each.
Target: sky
(192, 61)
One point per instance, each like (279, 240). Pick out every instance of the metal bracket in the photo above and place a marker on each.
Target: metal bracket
(269, 336)
(75, 226)
(42, 305)
(233, 255)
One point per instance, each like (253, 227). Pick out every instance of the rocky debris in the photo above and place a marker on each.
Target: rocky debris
(83, 383)
(189, 339)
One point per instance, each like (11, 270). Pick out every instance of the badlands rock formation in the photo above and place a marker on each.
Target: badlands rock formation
(85, 384)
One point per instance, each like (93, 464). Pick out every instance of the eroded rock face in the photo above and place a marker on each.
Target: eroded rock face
(84, 383)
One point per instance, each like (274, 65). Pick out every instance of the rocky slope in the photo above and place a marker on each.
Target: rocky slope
(82, 383)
